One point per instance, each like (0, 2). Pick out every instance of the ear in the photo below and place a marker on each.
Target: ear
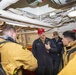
(11, 33)
(69, 40)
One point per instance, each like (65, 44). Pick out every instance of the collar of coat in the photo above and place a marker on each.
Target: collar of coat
(7, 38)
(71, 45)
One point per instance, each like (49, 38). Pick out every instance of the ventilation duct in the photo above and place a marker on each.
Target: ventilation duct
(62, 2)
(6, 3)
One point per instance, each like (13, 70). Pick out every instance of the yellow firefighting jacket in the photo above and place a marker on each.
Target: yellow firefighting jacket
(70, 46)
(70, 68)
(13, 56)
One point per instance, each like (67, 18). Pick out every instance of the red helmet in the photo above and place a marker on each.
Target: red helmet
(41, 30)
(74, 30)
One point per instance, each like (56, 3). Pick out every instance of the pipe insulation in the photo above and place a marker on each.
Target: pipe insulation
(6, 3)
(12, 16)
(62, 2)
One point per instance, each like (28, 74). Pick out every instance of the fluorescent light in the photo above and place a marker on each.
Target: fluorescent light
(72, 13)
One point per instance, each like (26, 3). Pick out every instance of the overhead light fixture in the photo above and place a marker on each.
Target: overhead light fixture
(72, 13)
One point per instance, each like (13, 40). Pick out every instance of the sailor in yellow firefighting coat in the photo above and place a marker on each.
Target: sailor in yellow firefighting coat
(69, 40)
(13, 55)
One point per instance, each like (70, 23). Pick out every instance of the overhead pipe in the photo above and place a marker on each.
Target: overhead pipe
(6, 3)
(21, 24)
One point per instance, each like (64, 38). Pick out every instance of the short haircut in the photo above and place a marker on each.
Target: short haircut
(8, 28)
(55, 33)
(70, 34)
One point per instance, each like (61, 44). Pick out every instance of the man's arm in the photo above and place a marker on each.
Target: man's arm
(25, 59)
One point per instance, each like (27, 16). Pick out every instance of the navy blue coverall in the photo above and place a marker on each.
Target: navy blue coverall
(45, 63)
(57, 56)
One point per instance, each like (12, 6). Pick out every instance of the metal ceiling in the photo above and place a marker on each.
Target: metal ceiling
(56, 21)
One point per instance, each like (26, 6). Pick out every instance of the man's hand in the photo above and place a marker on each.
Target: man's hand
(47, 46)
